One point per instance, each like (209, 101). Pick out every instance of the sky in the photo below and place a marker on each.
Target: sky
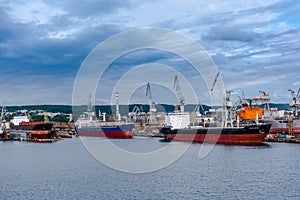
(255, 45)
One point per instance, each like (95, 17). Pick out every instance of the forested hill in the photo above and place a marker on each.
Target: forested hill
(124, 109)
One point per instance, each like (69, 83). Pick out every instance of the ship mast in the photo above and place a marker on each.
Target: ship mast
(90, 112)
(118, 116)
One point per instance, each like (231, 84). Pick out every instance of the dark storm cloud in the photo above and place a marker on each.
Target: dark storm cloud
(244, 41)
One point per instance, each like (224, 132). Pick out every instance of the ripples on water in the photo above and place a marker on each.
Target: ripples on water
(65, 170)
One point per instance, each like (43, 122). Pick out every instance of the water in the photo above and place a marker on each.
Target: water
(65, 170)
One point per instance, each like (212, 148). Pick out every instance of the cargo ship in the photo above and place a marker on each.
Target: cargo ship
(88, 125)
(97, 128)
(179, 129)
(36, 130)
(228, 129)
(283, 126)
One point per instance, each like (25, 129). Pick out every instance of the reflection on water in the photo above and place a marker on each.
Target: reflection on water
(65, 170)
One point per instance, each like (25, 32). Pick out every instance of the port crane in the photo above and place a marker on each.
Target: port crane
(228, 106)
(2, 113)
(134, 114)
(197, 108)
(215, 81)
(152, 108)
(179, 94)
(229, 109)
(265, 99)
(295, 102)
(2, 125)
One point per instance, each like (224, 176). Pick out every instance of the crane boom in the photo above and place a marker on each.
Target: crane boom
(149, 95)
(148, 92)
(152, 109)
(295, 102)
(179, 93)
(2, 113)
(215, 81)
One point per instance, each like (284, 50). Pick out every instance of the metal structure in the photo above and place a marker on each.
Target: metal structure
(215, 81)
(152, 108)
(197, 108)
(118, 116)
(295, 102)
(265, 100)
(2, 125)
(2, 114)
(179, 94)
(133, 115)
(229, 110)
(89, 113)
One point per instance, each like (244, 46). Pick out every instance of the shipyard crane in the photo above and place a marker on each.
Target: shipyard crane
(215, 81)
(2, 125)
(295, 102)
(265, 93)
(265, 97)
(136, 111)
(179, 94)
(229, 109)
(152, 109)
(2, 113)
(265, 100)
(197, 108)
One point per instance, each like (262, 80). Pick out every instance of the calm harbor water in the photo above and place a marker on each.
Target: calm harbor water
(65, 170)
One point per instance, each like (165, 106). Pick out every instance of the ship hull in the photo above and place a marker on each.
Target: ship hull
(243, 135)
(37, 130)
(119, 131)
(280, 126)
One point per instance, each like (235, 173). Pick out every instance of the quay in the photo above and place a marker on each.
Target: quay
(288, 140)
(145, 134)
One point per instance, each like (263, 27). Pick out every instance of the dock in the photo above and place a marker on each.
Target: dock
(148, 135)
(288, 140)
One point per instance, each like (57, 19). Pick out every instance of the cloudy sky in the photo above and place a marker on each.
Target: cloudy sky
(255, 44)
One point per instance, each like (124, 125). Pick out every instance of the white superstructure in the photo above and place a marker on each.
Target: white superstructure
(177, 120)
(18, 119)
